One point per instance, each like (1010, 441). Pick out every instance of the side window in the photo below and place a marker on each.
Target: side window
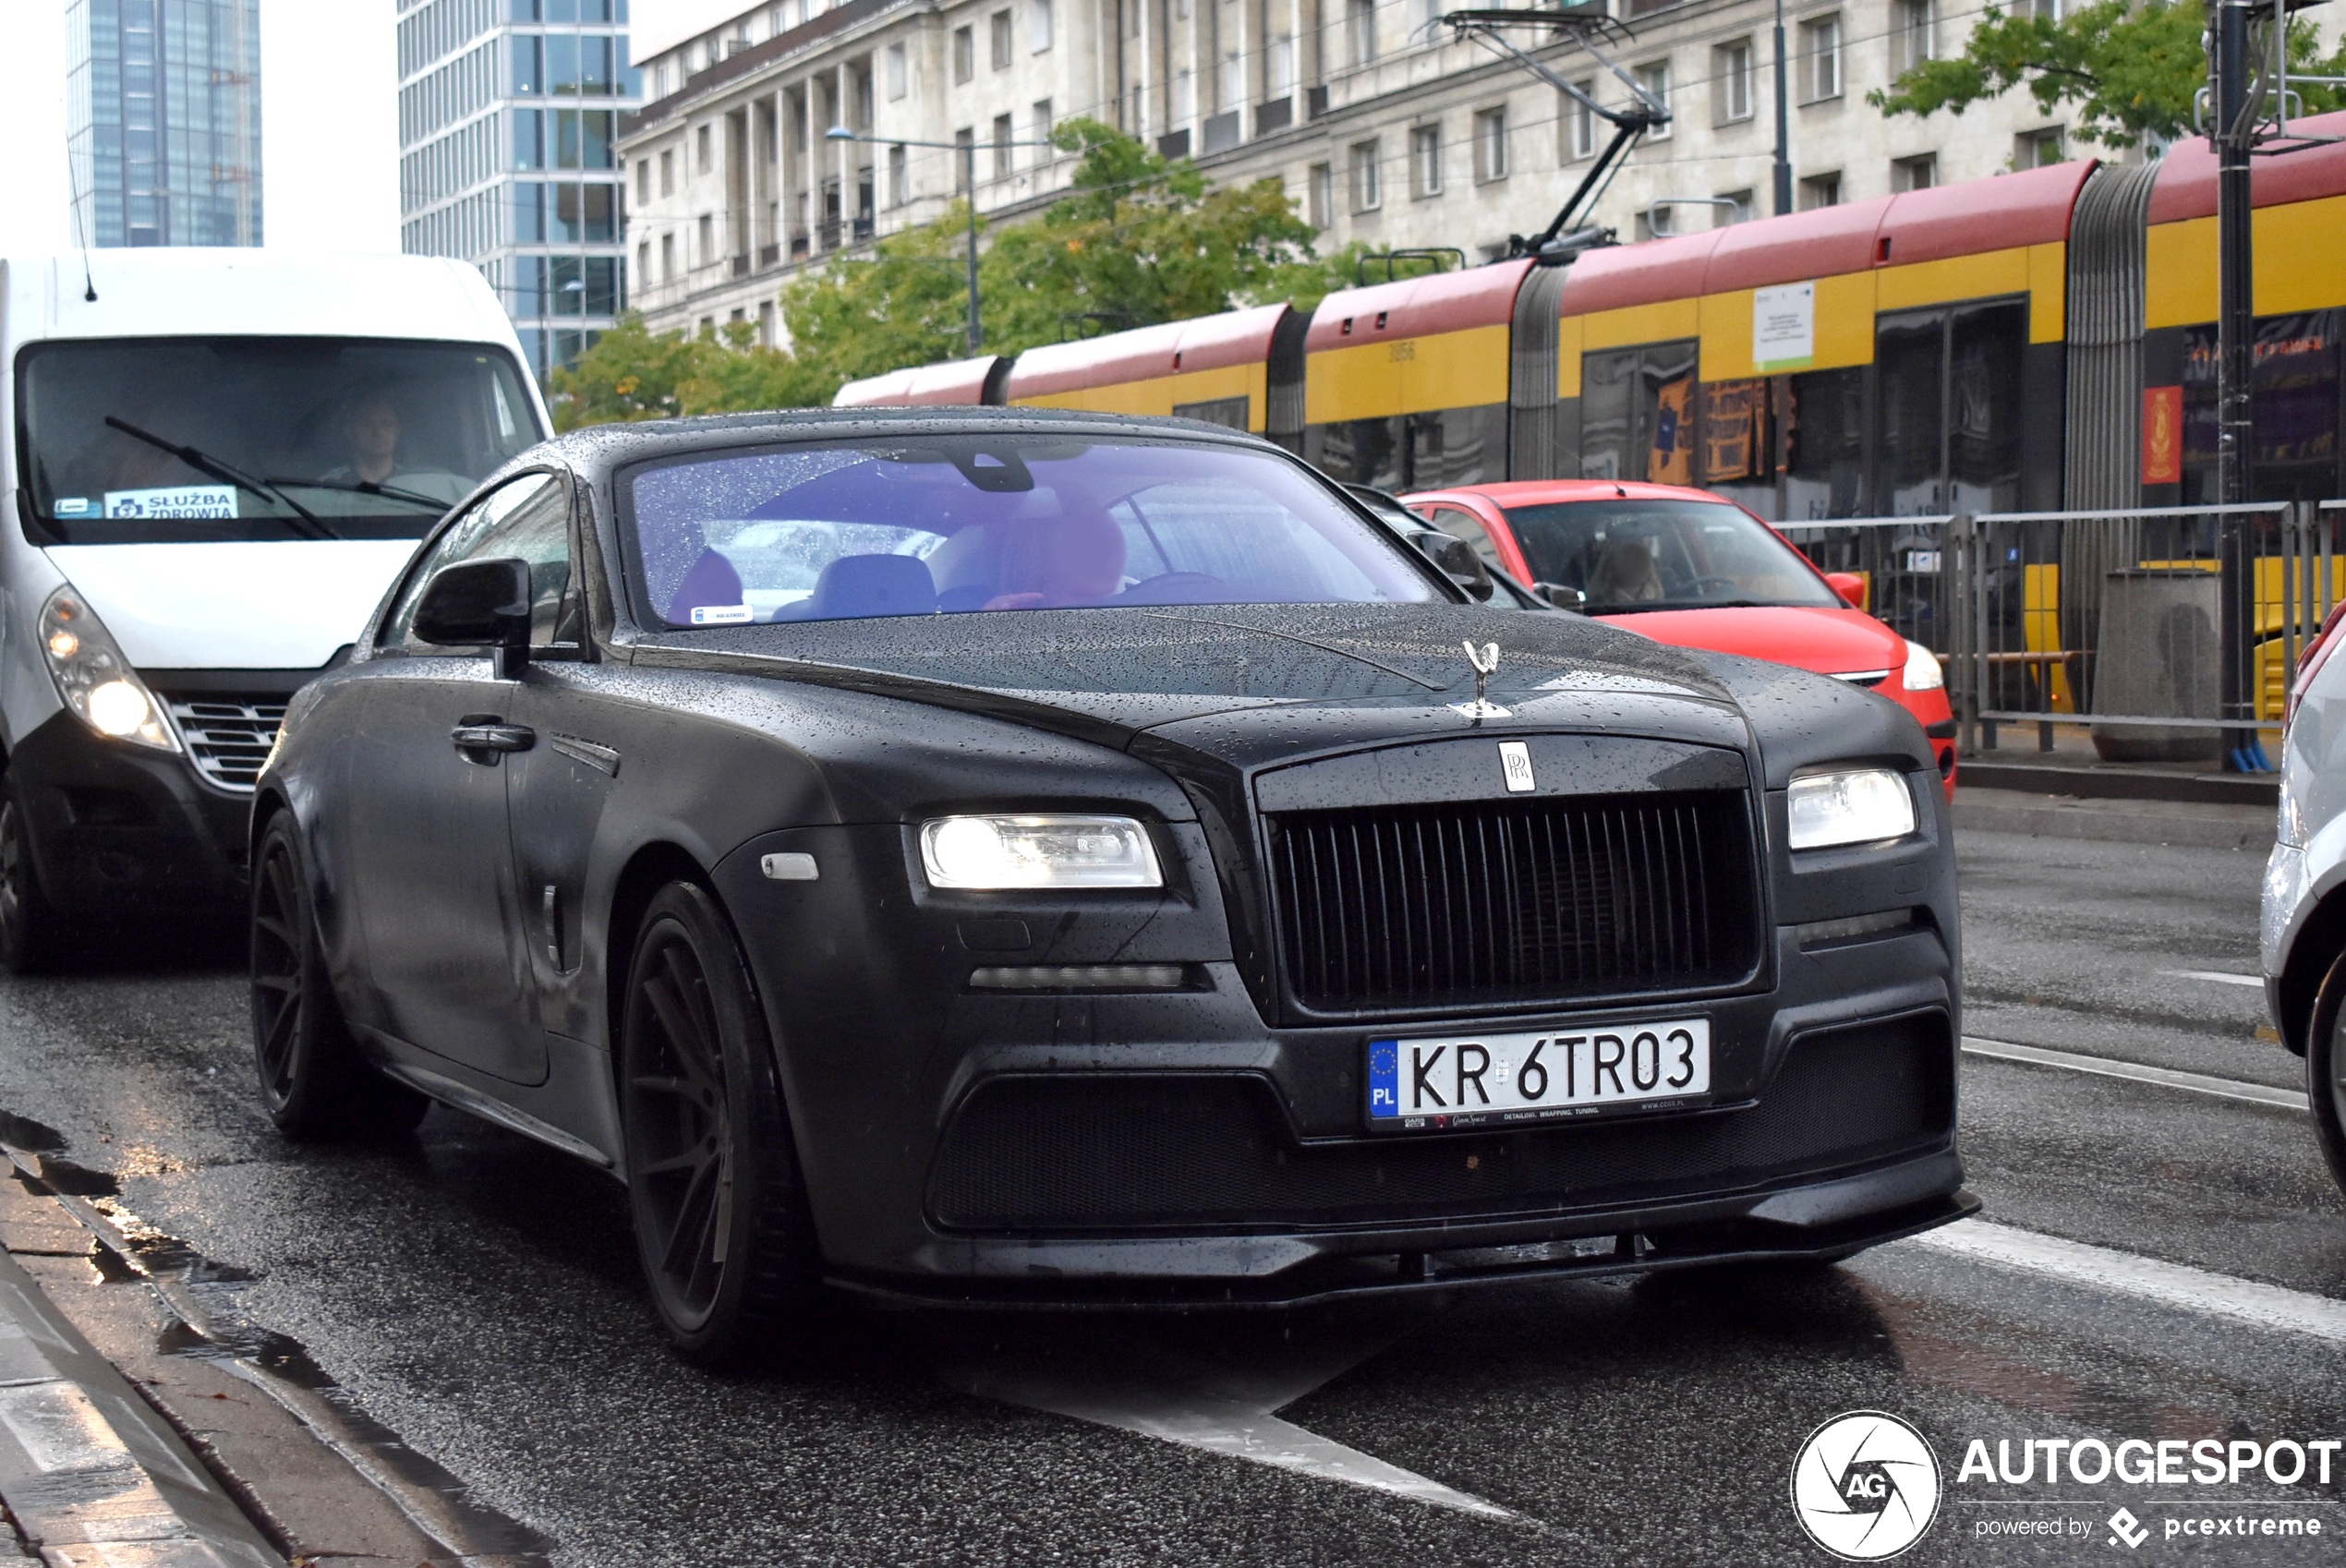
(528, 518)
(1467, 526)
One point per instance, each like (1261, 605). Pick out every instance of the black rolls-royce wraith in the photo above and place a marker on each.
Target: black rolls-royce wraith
(997, 854)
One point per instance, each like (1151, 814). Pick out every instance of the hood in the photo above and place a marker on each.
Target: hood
(1246, 685)
(264, 604)
(1829, 642)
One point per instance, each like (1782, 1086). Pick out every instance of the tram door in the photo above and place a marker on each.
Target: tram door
(1948, 409)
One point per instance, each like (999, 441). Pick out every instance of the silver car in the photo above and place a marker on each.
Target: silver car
(2302, 935)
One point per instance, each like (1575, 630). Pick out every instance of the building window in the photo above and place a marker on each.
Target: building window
(1233, 79)
(1731, 82)
(702, 157)
(1490, 145)
(667, 257)
(1820, 59)
(895, 197)
(899, 71)
(1319, 194)
(1043, 123)
(1038, 25)
(643, 181)
(1820, 191)
(1655, 79)
(1914, 34)
(1184, 97)
(707, 252)
(2036, 149)
(1737, 211)
(1001, 147)
(1425, 161)
(643, 259)
(965, 55)
(1280, 79)
(998, 30)
(1580, 122)
(2043, 10)
(1919, 173)
(1359, 31)
(966, 159)
(1368, 185)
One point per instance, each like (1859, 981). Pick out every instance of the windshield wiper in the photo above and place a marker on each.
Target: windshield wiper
(1638, 607)
(360, 486)
(204, 463)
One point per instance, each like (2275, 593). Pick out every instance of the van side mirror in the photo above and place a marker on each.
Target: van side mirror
(1850, 586)
(478, 603)
(1457, 560)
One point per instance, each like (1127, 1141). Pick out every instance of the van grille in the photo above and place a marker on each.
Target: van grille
(227, 737)
(1513, 902)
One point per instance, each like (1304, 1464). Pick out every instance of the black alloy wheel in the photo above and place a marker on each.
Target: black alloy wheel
(33, 933)
(313, 1081)
(2325, 1069)
(720, 1213)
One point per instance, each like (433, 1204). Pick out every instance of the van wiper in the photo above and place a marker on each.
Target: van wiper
(360, 486)
(204, 463)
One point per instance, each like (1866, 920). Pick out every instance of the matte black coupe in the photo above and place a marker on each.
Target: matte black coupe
(995, 855)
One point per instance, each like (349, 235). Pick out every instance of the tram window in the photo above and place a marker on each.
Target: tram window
(2293, 393)
(1908, 459)
(1825, 470)
(1359, 452)
(1984, 407)
(1458, 446)
(1637, 413)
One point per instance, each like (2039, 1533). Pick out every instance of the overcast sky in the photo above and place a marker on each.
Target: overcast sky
(329, 126)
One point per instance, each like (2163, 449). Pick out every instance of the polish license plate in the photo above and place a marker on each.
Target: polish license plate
(1473, 1079)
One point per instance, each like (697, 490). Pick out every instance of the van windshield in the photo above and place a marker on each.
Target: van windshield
(133, 441)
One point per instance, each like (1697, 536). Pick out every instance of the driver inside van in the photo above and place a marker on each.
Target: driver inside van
(373, 426)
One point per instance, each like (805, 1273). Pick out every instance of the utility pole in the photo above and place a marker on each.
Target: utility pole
(2230, 134)
(1784, 123)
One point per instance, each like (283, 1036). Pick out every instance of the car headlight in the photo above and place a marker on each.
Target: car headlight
(1859, 807)
(1038, 851)
(93, 678)
(1923, 673)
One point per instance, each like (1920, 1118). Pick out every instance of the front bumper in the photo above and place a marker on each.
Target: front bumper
(119, 830)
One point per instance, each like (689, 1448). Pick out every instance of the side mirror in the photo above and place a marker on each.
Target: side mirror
(1850, 586)
(478, 603)
(1457, 560)
(1561, 596)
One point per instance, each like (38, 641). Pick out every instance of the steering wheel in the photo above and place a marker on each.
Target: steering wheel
(1176, 588)
(1720, 585)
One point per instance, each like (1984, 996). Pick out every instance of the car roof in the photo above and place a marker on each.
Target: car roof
(1528, 492)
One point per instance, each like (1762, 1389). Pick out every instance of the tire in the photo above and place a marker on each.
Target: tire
(33, 937)
(314, 1085)
(719, 1208)
(2325, 1069)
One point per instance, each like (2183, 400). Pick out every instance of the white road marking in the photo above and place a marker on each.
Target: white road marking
(2219, 976)
(1137, 1386)
(2109, 1067)
(2147, 1279)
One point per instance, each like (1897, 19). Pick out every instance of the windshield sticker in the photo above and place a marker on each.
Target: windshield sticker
(722, 614)
(174, 500)
(73, 506)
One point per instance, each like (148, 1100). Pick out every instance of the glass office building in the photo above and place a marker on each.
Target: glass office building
(163, 121)
(508, 113)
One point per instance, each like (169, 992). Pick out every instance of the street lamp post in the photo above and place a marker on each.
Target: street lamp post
(969, 169)
(1783, 125)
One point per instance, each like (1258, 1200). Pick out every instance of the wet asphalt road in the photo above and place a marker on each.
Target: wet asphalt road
(478, 1295)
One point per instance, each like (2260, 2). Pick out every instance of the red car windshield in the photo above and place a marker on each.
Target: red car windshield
(1635, 555)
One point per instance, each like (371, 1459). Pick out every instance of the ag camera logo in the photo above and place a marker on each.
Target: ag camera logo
(1865, 1486)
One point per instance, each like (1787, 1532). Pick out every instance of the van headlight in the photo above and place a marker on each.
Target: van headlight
(993, 851)
(93, 678)
(1923, 673)
(1860, 805)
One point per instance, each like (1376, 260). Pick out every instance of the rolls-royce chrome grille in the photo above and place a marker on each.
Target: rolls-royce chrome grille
(1514, 903)
(228, 737)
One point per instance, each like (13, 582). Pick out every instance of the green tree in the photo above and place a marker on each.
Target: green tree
(2129, 69)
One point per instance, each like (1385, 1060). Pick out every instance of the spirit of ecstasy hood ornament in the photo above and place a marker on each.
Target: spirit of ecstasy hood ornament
(1485, 662)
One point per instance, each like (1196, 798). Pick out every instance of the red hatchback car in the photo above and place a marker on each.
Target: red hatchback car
(1690, 568)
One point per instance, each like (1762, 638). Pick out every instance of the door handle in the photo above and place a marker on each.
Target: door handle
(490, 735)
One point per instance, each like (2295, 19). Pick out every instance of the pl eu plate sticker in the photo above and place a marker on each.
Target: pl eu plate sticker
(174, 500)
(722, 614)
(73, 506)
(1384, 1078)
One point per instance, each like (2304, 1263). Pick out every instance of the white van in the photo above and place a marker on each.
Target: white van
(214, 467)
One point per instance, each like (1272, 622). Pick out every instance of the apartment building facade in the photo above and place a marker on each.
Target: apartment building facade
(509, 117)
(1384, 128)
